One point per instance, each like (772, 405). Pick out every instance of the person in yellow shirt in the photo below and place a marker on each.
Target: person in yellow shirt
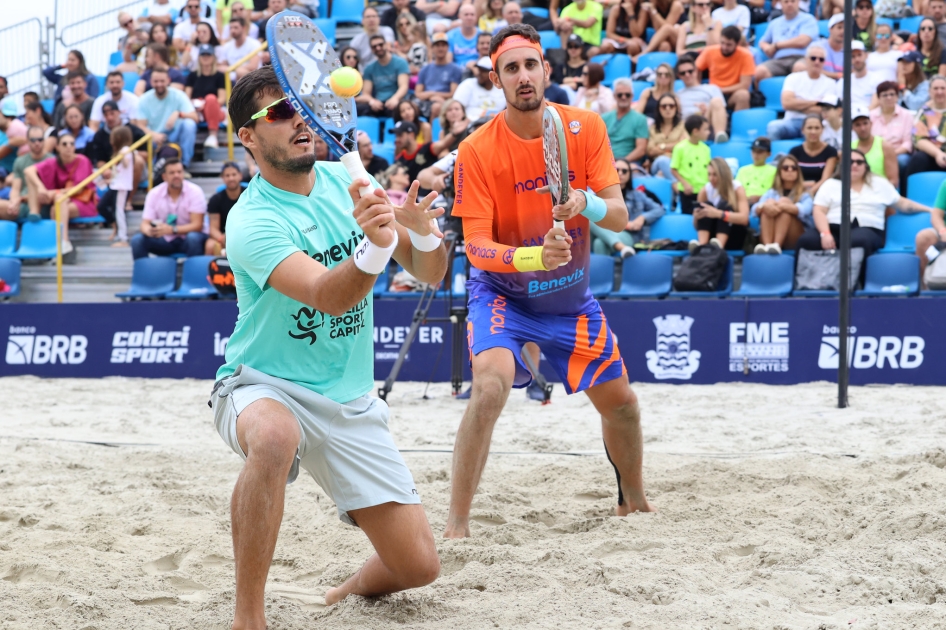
(583, 18)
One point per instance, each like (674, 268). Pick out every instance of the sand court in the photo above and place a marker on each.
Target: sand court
(776, 511)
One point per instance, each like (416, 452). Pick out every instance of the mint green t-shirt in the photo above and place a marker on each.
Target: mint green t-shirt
(333, 356)
(690, 160)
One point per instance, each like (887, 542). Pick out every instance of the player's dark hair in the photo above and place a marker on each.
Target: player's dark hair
(250, 89)
(694, 122)
(732, 32)
(522, 30)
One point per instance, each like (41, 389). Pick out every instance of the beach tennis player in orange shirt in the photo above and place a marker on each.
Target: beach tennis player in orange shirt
(529, 280)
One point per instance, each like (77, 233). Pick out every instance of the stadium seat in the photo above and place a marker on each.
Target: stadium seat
(96, 220)
(151, 278)
(890, 275)
(601, 275)
(749, 124)
(550, 39)
(660, 187)
(385, 151)
(758, 31)
(784, 146)
(823, 29)
(645, 275)
(723, 289)
(38, 240)
(537, 11)
(195, 285)
(115, 59)
(765, 275)
(676, 227)
(654, 59)
(101, 80)
(738, 150)
(10, 274)
(48, 105)
(131, 80)
(371, 126)
(327, 26)
(7, 238)
(924, 187)
(911, 24)
(223, 187)
(639, 87)
(901, 231)
(347, 11)
(435, 129)
(771, 89)
(888, 21)
(381, 284)
(615, 67)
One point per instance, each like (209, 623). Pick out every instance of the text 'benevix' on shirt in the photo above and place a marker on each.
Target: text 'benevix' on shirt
(150, 345)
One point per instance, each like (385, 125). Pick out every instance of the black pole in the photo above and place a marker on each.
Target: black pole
(844, 246)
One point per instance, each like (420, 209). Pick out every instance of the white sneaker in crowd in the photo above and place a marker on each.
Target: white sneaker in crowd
(211, 141)
(761, 249)
(775, 249)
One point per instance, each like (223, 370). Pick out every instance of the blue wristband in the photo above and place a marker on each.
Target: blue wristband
(595, 207)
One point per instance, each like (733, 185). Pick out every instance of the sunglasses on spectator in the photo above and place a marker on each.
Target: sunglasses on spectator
(40, 139)
(574, 46)
(882, 36)
(701, 4)
(277, 110)
(788, 167)
(858, 162)
(818, 59)
(127, 22)
(667, 106)
(67, 144)
(684, 73)
(665, 75)
(377, 46)
(622, 95)
(623, 170)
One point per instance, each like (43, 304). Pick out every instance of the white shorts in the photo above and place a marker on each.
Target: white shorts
(347, 448)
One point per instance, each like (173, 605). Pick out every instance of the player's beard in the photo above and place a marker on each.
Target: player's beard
(529, 105)
(278, 156)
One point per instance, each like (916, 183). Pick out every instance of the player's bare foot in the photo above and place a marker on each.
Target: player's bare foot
(634, 504)
(457, 529)
(334, 595)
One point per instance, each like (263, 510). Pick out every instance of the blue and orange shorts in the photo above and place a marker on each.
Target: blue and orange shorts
(580, 348)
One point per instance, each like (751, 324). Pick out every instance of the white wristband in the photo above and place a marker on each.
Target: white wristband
(373, 259)
(424, 243)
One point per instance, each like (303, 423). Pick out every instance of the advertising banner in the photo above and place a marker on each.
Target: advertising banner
(779, 341)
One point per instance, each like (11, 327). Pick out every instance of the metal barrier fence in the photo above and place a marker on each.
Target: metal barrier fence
(25, 52)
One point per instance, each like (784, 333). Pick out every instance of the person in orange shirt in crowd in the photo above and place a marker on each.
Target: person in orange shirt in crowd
(731, 67)
(530, 280)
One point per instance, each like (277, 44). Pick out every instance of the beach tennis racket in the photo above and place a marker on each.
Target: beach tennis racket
(556, 159)
(303, 59)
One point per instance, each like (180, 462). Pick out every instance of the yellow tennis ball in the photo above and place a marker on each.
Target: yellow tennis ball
(346, 82)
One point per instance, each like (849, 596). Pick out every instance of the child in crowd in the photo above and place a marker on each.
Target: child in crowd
(757, 177)
(831, 113)
(122, 181)
(689, 161)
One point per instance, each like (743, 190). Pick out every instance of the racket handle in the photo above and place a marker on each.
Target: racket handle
(356, 170)
(559, 224)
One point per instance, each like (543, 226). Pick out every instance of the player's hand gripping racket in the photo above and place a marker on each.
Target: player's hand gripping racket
(303, 59)
(556, 159)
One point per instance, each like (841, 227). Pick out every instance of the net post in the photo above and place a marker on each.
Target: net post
(844, 244)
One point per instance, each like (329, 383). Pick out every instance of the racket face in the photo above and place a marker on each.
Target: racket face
(303, 60)
(556, 155)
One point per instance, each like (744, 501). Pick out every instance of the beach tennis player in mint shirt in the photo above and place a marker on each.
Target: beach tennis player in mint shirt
(305, 252)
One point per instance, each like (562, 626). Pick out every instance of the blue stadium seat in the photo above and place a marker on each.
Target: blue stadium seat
(48, 105)
(924, 187)
(151, 278)
(223, 187)
(96, 220)
(723, 289)
(766, 275)
(371, 126)
(771, 89)
(676, 227)
(890, 275)
(601, 275)
(38, 240)
(639, 87)
(385, 151)
(435, 129)
(823, 29)
(195, 284)
(347, 11)
(911, 24)
(784, 146)
(888, 21)
(738, 150)
(654, 59)
(537, 11)
(115, 59)
(759, 30)
(10, 273)
(660, 187)
(616, 66)
(381, 284)
(550, 39)
(901, 231)
(327, 26)
(645, 275)
(749, 124)
(101, 80)
(131, 80)
(7, 238)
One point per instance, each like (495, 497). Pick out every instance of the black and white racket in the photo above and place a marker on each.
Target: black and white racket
(556, 159)
(303, 59)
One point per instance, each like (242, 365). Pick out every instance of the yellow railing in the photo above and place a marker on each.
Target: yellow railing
(79, 187)
(229, 86)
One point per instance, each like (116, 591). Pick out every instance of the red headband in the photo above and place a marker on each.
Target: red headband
(516, 41)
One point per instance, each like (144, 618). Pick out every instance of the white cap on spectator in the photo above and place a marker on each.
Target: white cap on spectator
(837, 17)
(857, 45)
(859, 111)
(484, 63)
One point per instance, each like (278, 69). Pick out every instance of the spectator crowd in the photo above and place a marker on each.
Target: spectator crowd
(736, 104)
